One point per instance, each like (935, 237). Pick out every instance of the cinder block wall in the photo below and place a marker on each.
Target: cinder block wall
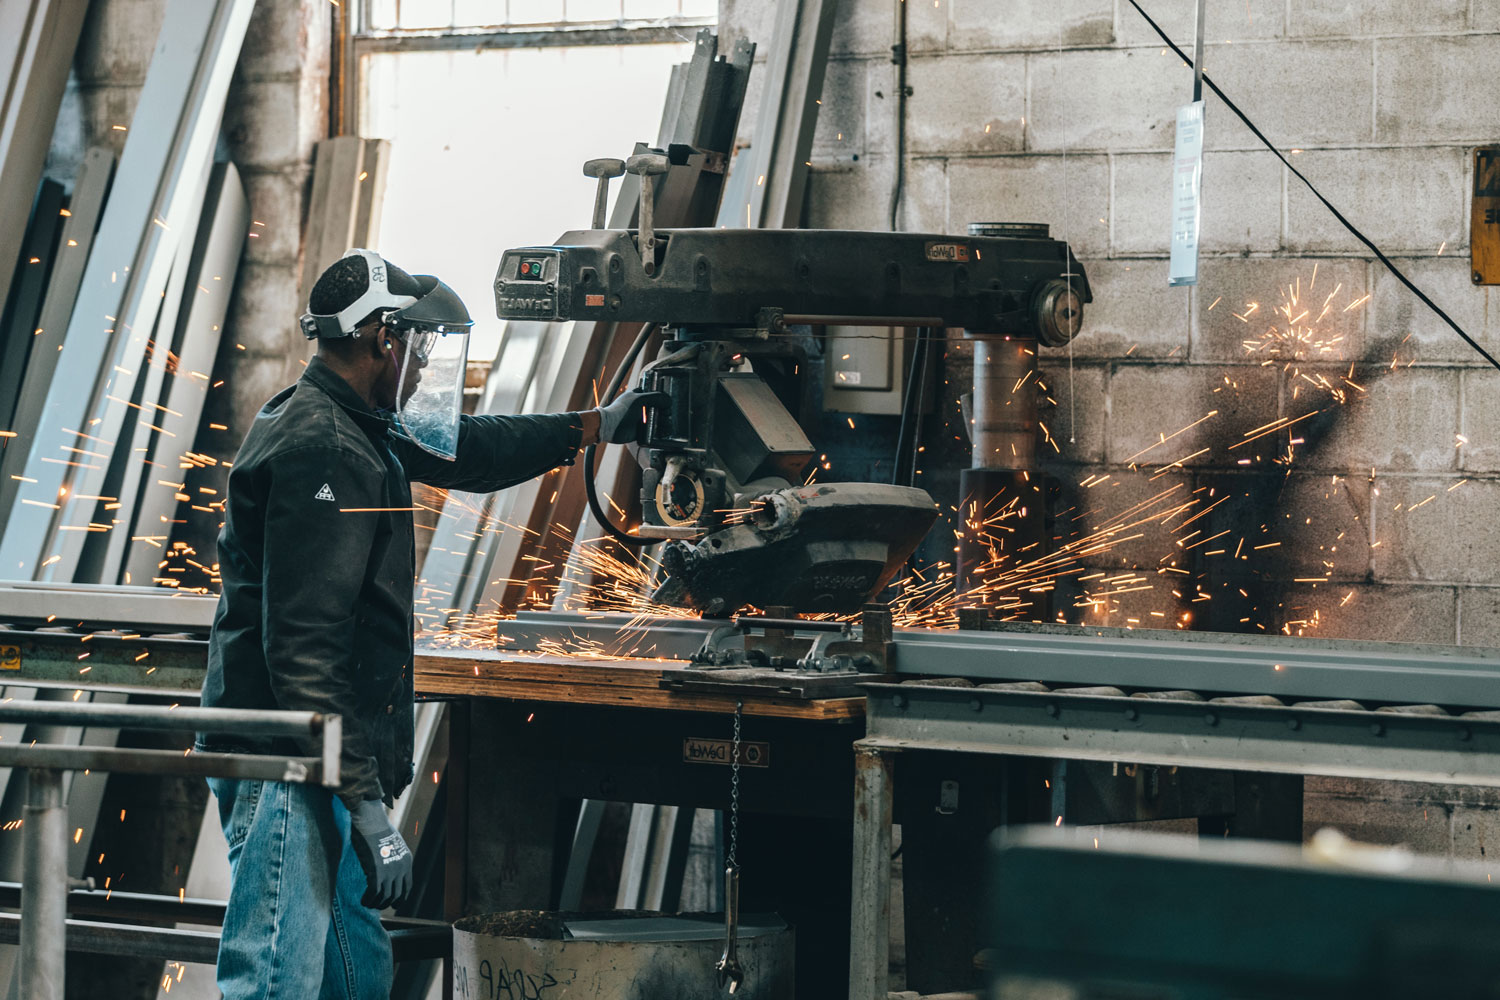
(1063, 112)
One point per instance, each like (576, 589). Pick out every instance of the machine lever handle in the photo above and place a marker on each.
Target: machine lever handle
(603, 168)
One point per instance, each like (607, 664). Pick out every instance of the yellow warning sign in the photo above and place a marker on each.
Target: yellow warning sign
(10, 657)
(1484, 222)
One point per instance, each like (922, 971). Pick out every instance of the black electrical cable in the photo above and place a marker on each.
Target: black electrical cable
(906, 407)
(623, 537)
(1319, 195)
(926, 346)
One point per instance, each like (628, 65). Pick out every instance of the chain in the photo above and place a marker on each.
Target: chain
(734, 790)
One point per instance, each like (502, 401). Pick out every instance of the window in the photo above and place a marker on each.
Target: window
(492, 106)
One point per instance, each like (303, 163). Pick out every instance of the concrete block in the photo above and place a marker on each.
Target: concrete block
(1322, 527)
(1074, 200)
(1454, 537)
(1476, 833)
(1075, 424)
(840, 132)
(276, 200)
(1410, 198)
(100, 109)
(1479, 616)
(117, 41)
(1373, 611)
(751, 19)
(1134, 314)
(1484, 15)
(858, 196)
(959, 104)
(1405, 421)
(1311, 18)
(1104, 99)
(864, 28)
(1112, 518)
(274, 123)
(1241, 203)
(249, 381)
(1240, 301)
(286, 38)
(1029, 24)
(1436, 89)
(1400, 327)
(1302, 94)
(1478, 422)
(1148, 404)
(264, 310)
(1424, 828)
(1240, 22)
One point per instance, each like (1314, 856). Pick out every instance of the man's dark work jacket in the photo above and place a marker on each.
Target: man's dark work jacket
(318, 563)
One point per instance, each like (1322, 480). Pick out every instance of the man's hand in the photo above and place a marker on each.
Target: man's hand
(624, 418)
(383, 855)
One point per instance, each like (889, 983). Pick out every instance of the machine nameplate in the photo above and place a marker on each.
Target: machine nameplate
(701, 751)
(527, 304)
(10, 657)
(958, 253)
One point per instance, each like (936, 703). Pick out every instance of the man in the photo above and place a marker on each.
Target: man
(317, 561)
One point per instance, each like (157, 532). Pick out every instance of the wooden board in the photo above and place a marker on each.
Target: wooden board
(485, 673)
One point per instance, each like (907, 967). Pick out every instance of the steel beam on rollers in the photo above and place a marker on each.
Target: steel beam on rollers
(170, 146)
(1233, 737)
(614, 634)
(1208, 663)
(141, 609)
(37, 41)
(767, 183)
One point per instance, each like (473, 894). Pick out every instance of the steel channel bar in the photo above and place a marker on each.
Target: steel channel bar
(145, 907)
(145, 609)
(264, 767)
(1387, 746)
(1393, 673)
(101, 661)
(615, 634)
(185, 945)
(229, 721)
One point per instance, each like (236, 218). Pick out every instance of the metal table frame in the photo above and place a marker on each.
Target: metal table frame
(1395, 732)
(43, 931)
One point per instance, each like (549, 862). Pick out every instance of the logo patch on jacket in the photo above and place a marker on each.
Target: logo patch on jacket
(324, 494)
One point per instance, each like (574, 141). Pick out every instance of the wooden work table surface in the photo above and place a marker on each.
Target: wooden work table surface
(581, 680)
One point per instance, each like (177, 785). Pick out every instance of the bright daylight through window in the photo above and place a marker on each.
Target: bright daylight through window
(501, 165)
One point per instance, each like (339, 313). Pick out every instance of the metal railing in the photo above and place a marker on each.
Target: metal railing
(44, 844)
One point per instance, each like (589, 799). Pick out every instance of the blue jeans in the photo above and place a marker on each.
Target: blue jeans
(294, 927)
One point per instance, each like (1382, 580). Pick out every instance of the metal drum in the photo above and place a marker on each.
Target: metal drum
(626, 955)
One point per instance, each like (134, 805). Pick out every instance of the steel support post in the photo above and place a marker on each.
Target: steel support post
(870, 912)
(44, 886)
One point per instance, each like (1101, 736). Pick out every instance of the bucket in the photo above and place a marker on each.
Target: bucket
(622, 955)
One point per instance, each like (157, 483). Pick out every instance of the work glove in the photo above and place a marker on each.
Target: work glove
(382, 853)
(623, 419)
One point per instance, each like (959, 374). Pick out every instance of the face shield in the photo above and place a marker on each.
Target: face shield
(434, 331)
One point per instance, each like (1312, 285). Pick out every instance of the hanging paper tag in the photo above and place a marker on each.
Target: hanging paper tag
(1187, 184)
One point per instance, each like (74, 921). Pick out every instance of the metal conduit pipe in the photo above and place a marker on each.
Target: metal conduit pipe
(1003, 434)
(44, 886)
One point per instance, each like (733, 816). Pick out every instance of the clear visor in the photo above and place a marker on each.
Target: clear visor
(430, 400)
